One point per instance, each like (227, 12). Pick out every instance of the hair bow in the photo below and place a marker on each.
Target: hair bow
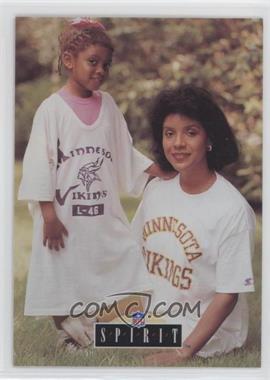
(86, 22)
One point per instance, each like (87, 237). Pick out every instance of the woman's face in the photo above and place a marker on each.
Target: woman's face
(185, 144)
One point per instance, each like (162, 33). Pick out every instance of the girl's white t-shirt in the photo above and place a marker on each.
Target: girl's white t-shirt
(82, 170)
(195, 245)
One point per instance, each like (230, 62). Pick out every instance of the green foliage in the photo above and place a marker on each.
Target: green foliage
(223, 55)
(29, 96)
(24, 50)
(36, 47)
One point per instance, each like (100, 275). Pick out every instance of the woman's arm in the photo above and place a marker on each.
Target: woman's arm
(215, 314)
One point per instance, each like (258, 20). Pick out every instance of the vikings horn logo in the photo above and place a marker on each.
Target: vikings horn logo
(87, 173)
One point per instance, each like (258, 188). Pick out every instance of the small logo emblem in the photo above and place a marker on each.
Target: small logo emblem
(88, 173)
(248, 281)
(138, 319)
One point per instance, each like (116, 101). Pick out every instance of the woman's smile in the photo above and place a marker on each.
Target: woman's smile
(180, 156)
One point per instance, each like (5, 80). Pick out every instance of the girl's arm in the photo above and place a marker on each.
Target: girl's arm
(53, 229)
(155, 171)
(215, 314)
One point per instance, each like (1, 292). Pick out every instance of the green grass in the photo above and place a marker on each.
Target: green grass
(35, 338)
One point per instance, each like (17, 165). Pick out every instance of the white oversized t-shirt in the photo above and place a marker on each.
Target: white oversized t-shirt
(195, 245)
(82, 170)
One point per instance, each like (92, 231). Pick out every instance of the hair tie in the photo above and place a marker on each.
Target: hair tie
(86, 22)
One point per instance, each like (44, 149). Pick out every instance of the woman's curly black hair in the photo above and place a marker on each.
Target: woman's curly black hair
(197, 104)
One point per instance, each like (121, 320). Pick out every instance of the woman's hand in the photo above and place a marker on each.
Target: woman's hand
(168, 357)
(215, 314)
(53, 229)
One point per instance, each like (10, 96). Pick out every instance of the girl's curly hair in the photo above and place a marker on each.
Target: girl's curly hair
(78, 36)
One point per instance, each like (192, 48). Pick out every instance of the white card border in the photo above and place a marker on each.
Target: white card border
(110, 8)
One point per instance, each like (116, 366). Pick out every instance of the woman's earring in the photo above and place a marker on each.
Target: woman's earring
(209, 148)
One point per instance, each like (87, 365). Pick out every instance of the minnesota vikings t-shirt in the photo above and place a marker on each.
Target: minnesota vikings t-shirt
(194, 246)
(82, 171)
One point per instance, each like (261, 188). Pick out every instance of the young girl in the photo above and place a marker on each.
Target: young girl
(78, 159)
(198, 242)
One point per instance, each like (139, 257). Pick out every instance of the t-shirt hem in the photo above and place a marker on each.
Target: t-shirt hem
(205, 353)
(45, 313)
(146, 288)
(36, 198)
(239, 290)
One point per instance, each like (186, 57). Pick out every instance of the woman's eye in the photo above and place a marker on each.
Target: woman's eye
(168, 133)
(191, 132)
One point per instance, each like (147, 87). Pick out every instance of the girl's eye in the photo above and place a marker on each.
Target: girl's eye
(107, 66)
(92, 62)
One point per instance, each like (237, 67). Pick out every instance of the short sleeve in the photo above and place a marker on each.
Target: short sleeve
(39, 166)
(137, 224)
(234, 267)
(130, 163)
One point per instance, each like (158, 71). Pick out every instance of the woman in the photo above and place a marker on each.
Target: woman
(196, 230)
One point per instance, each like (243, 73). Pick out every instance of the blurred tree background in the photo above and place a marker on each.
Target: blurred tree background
(223, 55)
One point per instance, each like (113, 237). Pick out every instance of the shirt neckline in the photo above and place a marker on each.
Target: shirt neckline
(196, 195)
(77, 99)
(89, 127)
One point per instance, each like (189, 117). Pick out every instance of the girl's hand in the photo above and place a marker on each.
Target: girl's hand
(168, 357)
(155, 171)
(53, 228)
(53, 234)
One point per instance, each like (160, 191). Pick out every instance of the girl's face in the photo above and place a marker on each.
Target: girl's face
(88, 69)
(185, 142)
